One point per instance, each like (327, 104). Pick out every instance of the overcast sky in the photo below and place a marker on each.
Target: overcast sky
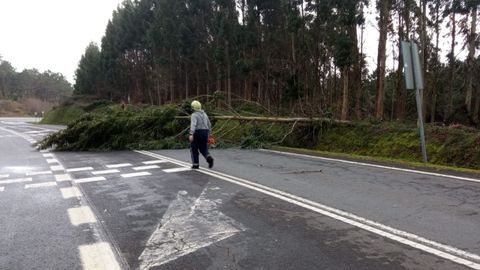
(51, 34)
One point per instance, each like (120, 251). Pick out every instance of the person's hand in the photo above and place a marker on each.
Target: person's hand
(190, 138)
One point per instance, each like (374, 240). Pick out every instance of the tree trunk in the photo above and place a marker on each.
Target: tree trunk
(172, 72)
(208, 79)
(356, 78)
(424, 56)
(471, 61)
(449, 97)
(229, 78)
(345, 72)
(381, 58)
(433, 106)
(403, 33)
(186, 82)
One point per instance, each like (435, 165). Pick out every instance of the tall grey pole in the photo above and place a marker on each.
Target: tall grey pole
(414, 80)
(420, 124)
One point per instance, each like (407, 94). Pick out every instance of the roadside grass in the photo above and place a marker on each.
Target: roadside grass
(385, 161)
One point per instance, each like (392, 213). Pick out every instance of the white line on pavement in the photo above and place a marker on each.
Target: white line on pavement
(445, 251)
(105, 172)
(129, 175)
(19, 180)
(89, 179)
(2, 189)
(62, 177)
(4, 176)
(98, 256)
(111, 166)
(376, 166)
(44, 151)
(145, 167)
(174, 170)
(40, 185)
(38, 173)
(79, 169)
(81, 215)
(154, 162)
(48, 155)
(52, 160)
(70, 192)
(57, 168)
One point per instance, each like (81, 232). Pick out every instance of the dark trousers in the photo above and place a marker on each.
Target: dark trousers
(199, 143)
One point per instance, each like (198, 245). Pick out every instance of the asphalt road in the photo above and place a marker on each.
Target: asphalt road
(254, 210)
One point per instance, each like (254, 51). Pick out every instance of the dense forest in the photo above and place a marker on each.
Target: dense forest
(31, 84)
(297, 57)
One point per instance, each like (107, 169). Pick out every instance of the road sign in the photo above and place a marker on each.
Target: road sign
(412, 66)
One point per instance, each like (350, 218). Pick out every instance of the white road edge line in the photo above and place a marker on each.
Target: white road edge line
(445, 251)
(376, 166)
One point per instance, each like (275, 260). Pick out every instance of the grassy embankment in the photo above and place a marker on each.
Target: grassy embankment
(104, 126)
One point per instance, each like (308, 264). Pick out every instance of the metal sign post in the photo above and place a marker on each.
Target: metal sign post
(414, 80)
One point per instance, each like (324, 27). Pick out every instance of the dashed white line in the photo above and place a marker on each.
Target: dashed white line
(70, 192)
(2, 189)
(38, 173)
(145, 167)
(62, 177)
(81, 215)
(4, 176)
(48, 155)
(57, 168)
(111, 166)
(129, 175)
(89, 179)
(181, 169)
(154, 162)
(52, 160)
(79, 169)
(105, 172)
(19, 180)
(98, 256)
(44, 151)
(40, 185)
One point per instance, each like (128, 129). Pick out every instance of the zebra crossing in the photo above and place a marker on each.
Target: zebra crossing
(58, 173)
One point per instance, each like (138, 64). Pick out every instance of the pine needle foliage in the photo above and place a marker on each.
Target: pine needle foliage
(118, 129)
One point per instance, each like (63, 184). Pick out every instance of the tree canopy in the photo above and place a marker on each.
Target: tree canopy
(292, 56)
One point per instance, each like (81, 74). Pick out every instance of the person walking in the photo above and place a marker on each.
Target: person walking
(200, 128)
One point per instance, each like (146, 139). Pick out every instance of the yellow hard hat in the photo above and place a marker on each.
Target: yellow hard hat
(196, 105)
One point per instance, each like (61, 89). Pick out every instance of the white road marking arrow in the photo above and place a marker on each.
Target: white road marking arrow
(188, 225)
